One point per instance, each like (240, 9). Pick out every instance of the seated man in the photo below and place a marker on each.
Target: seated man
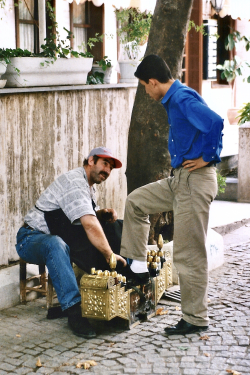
(66, 226)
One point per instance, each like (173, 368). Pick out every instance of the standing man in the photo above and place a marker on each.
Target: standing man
(66, 225)
(195, 143)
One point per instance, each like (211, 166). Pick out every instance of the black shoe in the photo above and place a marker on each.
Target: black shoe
(79, 325)
(135, 278)
(55, 312)
(183, 328)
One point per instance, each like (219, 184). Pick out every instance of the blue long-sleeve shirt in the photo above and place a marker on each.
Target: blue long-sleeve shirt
(195, 130)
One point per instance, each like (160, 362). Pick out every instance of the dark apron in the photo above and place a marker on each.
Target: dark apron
(82, 252)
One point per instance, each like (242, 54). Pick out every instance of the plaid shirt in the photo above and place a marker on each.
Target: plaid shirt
(70, 192)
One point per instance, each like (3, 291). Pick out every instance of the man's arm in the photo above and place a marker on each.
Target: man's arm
(97, 237)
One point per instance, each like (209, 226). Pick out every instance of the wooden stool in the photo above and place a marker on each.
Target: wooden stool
(45, 284)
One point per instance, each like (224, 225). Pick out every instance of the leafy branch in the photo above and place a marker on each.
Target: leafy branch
(235, 67)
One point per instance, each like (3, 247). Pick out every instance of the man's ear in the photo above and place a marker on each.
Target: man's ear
(153, 82)
(91, 161)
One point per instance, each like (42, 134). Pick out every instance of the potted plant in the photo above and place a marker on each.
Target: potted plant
(244, 114)
(3, 67)
(132, 31)
(103, 66)
(56, 64)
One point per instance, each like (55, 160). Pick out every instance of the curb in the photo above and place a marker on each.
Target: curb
(228, 228)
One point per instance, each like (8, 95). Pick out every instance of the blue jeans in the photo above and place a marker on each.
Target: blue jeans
(38, 248)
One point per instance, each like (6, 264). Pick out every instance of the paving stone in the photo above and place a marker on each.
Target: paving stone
(143, 349)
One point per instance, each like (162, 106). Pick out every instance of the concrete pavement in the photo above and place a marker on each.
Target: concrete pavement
(26, 336)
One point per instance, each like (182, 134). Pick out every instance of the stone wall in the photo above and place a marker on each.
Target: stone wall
(44, 134)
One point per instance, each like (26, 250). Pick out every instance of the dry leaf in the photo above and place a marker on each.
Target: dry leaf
(38, 363)
(86, 365)
(18, 335)
(206, 354)
(177, 308)
(92, 363)
(160, 311)
(234, 372)
(208, 300)
(111, 344)
(204, 337)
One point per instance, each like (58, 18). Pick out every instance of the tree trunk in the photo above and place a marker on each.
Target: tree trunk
(148, 157)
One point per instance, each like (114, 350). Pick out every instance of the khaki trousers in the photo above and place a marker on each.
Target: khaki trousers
(189, 195)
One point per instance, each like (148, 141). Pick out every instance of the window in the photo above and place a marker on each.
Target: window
(85, 21)
(225, 26)
(210, 49)
(79, 22)
(27, 25)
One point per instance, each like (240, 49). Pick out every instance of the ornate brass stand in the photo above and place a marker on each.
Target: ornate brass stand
(105, 295)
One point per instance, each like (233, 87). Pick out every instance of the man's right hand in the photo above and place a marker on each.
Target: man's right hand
(119, 258)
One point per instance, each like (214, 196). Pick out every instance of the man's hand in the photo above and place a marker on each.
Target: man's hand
(194, 164)
(118, 259)
(107, 214)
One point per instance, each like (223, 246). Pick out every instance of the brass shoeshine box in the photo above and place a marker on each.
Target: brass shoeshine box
(103, 300)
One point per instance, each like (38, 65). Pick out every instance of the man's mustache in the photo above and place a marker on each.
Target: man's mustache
(104, 174)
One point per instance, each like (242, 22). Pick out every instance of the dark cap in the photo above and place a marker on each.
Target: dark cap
(104, 152)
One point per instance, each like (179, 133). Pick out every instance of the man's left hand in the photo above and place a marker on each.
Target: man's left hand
(191, 165)
(107, 214)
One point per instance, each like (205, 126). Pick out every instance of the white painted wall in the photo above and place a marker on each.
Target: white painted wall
(62, 17)
(110, 39)
(7, 25)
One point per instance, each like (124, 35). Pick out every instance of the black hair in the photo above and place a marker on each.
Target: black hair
(153, 66)
(95, 158)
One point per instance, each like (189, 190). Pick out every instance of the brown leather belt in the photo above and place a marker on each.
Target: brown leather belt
(27, 226)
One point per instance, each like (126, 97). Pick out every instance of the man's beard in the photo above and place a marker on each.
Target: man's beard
(104, 174)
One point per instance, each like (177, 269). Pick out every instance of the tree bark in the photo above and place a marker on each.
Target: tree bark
(148, 157)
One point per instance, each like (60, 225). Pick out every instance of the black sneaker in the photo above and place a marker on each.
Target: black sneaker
(135, 278)
(80, 326)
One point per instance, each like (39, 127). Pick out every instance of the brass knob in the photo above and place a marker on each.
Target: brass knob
(160, 242)
(112, 262)
(150, 258)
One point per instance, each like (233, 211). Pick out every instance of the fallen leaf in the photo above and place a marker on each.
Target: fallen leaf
(234, 372)
(160, 311)
(111, 344)
(92, 363)
(86, 365)
(177, 308)
(204, 337)
(18, 335)
(208, 300)
(38, 363)
(206, 354)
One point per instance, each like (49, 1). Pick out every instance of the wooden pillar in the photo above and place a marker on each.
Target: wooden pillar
(195, 50)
